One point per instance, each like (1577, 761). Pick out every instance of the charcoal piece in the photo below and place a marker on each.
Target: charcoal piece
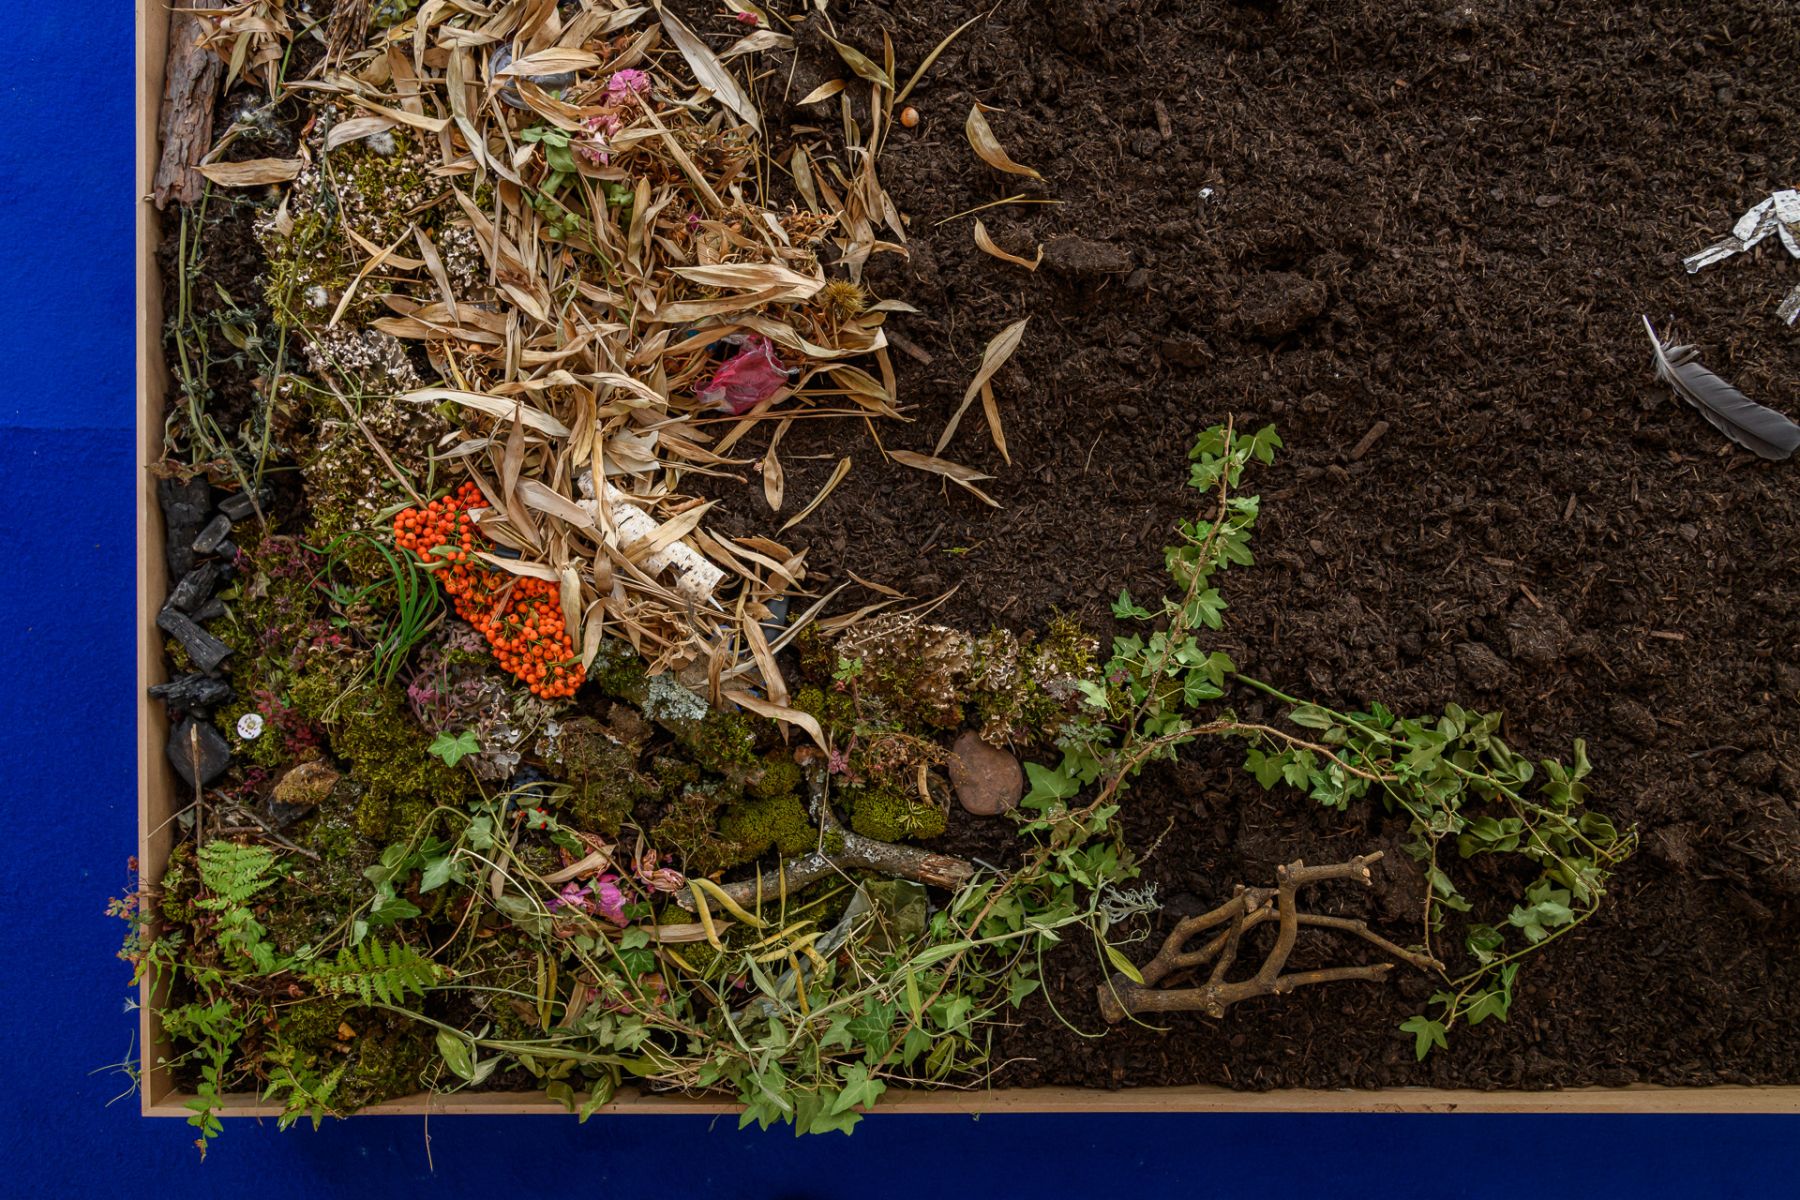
(238, 505)
(215, 532)
(212, 610)
(206, 650)
(195, 587)
(184, 508)
(196, 748)
(192, 691)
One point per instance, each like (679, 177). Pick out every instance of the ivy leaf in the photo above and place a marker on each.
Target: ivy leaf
(1125, 608)
(454, 749)
(1048, 786)
(1426, 1034)
(1311, 716)
(860, 1089)
(436, 873)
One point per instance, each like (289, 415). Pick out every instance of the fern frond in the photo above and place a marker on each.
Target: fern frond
(378, 971)
(234, 873)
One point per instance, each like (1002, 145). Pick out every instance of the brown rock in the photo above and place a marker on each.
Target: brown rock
(988, 781)
(306, 785)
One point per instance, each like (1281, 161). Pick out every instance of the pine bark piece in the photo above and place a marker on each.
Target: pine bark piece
(190, 86)
(1249, 907)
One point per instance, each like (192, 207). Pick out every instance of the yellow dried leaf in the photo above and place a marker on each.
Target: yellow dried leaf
(837, 477)
(956, 473)
(708, 70)
(987, 243)
(779, 712)
(824, 91)
(987, 146)
(992, 359)
(253, 172)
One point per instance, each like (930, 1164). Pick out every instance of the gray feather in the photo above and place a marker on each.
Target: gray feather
(1760, 430)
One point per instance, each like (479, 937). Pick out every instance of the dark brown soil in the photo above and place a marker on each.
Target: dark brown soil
(1445, 219)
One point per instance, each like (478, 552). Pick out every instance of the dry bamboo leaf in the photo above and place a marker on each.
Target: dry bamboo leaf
(919, 71)
(824, 91)
(774, 479)
(519, 566)
(987, 146)
(491, 406)
(862, 64)
(512, 459)
(252, 173)
(779, 712)
(380, 257)
(708, 70)
(991, 410)
(992, 359)
(877, 587)
(550, 62)
(355, 129)
(667, 533)
(788, 283)
(837, 477)
(417, 121)
(434, 266)
(987, 243)
(553, 503)
(773, 684)
(956, 473)
(762, 39)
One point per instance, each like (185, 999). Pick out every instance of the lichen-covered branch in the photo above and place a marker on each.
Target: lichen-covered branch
(1249, 907)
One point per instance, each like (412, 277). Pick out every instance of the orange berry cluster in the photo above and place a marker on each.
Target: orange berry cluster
(520, 617)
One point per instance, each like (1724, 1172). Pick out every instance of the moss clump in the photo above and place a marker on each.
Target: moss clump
(601, 770)
(780, 777)
(180, 886)
(307, 270)
(1024, 689)
(831, 708)
(778, 822)
(391, 757)
(892, 814)
(618, 672)
(690, 829)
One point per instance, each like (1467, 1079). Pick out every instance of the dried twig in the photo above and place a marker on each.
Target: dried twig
(190, 86)
(1249, 907)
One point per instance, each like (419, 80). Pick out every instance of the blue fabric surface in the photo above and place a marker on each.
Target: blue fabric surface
(66, 741)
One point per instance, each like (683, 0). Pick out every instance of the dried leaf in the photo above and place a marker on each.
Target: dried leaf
(711, 73)
(824, 91)
(355, 129)
(987, 243)
(837, 477)
(779, 712)
(987, 146)
(787, 283)
(862, 64)
(919, 71)
(550, 62)
(762, 39)
(774, 478)
(992, 359)
(252, 173)
(956, 473)
(492, 406)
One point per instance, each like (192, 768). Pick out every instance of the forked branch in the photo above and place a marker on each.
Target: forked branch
(1249, 907)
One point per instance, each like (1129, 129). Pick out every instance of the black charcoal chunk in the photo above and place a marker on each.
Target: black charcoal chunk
(184, 508)
(206, 650)
(212, 610)
(238, 505)
(192, 691)
(216, 531)
(195, 587)
(198, 750)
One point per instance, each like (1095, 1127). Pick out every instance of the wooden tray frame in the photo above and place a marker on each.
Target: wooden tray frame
(157, 802)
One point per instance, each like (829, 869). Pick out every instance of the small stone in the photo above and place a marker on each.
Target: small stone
(192, 691)
(206, 650)
(1082, 258)
(215, 532)
(195, 587)
(196, 744)
(306, 784)
(1481, 667)
(988, 781)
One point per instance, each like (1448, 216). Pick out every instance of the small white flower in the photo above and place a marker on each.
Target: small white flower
(250, 726)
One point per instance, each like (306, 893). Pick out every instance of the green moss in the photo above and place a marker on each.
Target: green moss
(605, 785)
(778, 822)
(892, 814)
(390, 755)
(690, 830)
(388, 1059)
(180, 885)
(834, 710)
(618, 672)
(780, 777)
(309, 256)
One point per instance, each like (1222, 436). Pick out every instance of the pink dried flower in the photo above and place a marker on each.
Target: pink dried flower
(610, 901)
(749, 18)
(573, 895)
(657, 879)
(629, 82)
(748, 378)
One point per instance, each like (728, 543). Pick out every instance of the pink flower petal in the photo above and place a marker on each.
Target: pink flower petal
(748, 378)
